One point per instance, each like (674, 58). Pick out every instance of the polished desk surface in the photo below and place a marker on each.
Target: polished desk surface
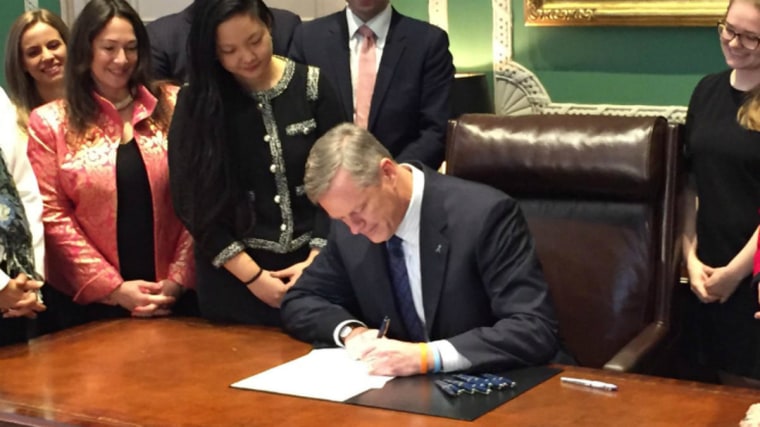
(177, 372)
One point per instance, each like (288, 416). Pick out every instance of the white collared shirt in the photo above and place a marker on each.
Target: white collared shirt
(409, 232)
(380, 25)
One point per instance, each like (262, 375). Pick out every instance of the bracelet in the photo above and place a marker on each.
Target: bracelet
(255, 276)
(423, 358)
(436, 361)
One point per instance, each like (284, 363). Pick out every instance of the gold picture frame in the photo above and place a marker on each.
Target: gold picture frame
(695, 13)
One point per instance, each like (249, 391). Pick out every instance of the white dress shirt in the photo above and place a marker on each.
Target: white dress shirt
(409, 232)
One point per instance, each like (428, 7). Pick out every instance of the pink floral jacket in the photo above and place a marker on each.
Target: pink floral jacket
(78, 185)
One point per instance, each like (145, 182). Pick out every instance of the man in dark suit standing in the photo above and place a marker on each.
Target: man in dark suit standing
(450, 262)
(168, 40)
(414, 71)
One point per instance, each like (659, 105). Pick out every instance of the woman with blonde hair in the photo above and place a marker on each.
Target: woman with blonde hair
(35, 55)
(721, 342)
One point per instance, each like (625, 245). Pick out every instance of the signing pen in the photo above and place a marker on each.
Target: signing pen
(590, 383)
(469, 387)
(475, 381)
(449, 389)
(502, 382)
(490, 380)
(383, 329)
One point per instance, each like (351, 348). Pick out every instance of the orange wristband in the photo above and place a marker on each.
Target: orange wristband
(423, 358)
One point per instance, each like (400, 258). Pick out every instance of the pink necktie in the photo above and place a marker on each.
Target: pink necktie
(365, 81)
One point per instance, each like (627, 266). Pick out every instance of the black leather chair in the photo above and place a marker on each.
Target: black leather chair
(599, 195)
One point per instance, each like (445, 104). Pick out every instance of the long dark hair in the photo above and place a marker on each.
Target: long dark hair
(82, 108)
(22, 89)
(206, 143)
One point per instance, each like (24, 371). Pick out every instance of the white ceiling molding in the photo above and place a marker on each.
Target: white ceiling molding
(674, 113)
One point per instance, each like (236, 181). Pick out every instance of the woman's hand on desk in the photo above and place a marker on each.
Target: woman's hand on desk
(269, 289)
(142, 298)
(169, 288)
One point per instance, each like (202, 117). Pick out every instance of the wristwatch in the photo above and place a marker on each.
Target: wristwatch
(346, 330)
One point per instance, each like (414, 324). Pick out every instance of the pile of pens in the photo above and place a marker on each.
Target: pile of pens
(457, 384)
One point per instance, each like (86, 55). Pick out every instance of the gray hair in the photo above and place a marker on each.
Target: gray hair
(345, 146)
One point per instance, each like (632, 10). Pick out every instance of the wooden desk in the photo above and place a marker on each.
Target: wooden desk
(177, 372)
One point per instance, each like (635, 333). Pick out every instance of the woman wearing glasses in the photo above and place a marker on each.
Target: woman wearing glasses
(721, 340)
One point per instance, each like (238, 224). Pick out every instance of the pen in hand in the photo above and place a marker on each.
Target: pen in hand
(383, 329)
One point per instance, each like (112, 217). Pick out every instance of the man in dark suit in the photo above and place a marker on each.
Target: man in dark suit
(168, 40)
(410, 102)
(474, 285)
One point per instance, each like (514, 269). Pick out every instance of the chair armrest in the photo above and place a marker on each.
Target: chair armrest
(642, 344)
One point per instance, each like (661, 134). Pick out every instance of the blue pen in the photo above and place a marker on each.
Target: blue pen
(469, 387)
(462, 387)
(475, 381)
(503, 382)
(491, 380)
(383, 329)
(467, 378)
(449, 389)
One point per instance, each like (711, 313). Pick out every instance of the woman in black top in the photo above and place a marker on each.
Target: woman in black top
(721, 207)
(238, 143)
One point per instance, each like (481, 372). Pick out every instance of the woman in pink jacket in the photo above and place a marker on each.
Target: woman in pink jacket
(113, 240)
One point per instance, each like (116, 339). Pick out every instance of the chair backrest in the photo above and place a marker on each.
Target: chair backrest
(598, 193)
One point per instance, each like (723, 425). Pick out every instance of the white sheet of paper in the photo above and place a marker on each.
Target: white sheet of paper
(327, 374)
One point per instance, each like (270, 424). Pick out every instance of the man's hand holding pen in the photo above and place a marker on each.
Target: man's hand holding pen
(357, 347)
(385, 356)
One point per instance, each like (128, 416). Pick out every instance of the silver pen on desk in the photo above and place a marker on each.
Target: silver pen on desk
(590, 383)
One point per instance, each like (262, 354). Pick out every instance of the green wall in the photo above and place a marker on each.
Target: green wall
(610, 65)
(9, 11)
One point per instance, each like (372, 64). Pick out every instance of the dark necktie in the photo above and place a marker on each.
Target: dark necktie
(402, 292)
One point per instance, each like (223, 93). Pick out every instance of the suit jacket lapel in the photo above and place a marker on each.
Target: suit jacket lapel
(395, 44)
(336, 48)
(434, 248)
